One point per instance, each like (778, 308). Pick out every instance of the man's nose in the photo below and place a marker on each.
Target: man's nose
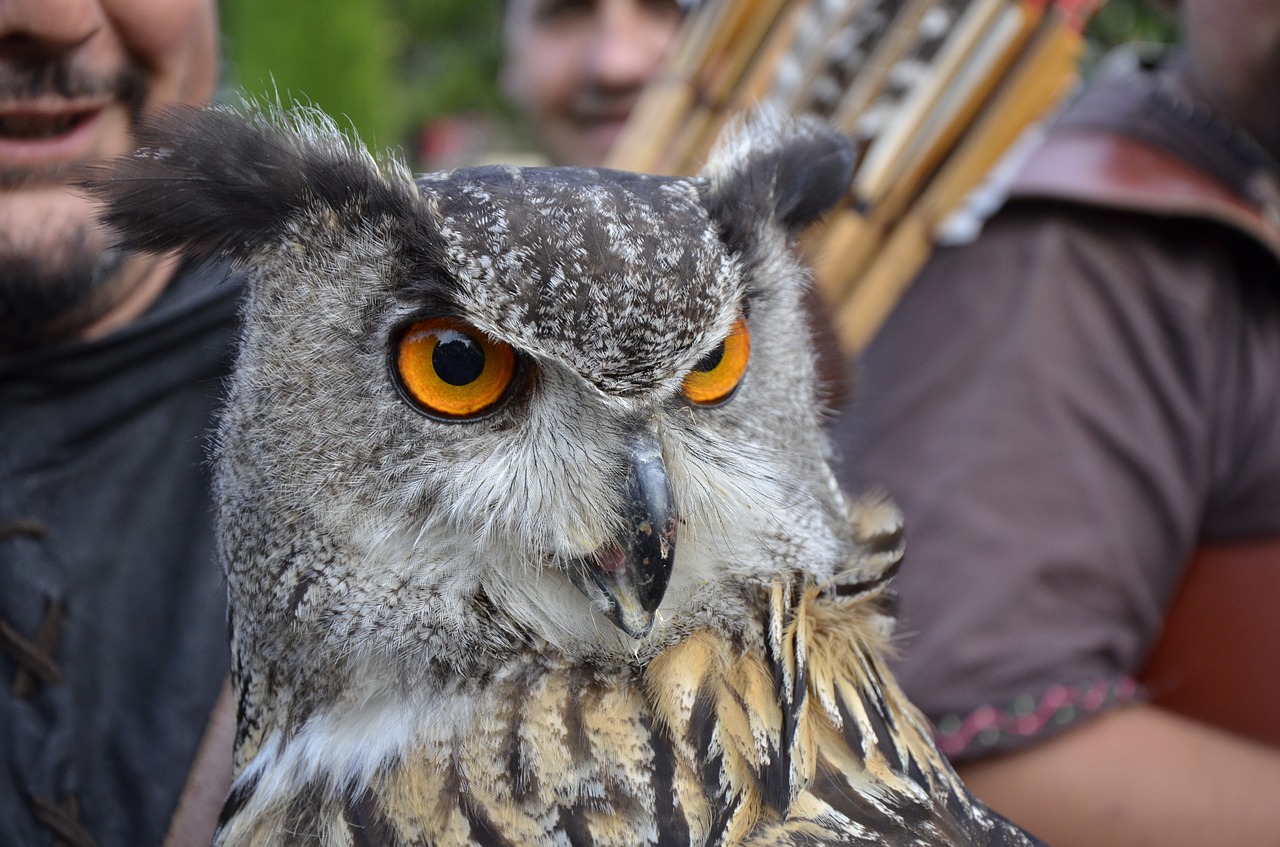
(628, 43)
(34, 29)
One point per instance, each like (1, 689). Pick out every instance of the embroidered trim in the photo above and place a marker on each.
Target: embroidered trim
(988, 728)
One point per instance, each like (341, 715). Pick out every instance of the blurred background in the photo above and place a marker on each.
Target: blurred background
(421, 75)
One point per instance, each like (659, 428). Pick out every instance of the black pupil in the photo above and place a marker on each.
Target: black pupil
(458, 361)
(710, 361)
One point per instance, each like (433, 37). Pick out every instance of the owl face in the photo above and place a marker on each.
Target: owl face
(500, 408)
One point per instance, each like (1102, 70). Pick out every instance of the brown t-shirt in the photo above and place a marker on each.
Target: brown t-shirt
(1064, 409)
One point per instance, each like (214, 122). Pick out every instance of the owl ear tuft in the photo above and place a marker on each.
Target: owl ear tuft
(779, 169)
(219, 182)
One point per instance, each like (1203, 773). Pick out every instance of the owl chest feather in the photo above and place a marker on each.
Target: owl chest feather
(717, 740)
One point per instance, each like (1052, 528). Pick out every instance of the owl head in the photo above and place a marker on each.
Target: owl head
(496, 409)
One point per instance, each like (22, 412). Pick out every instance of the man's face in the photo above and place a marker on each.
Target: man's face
(1235, 56)
(75, 75)
(576, 68)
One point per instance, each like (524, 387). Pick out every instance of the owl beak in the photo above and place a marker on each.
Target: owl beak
(633, 570)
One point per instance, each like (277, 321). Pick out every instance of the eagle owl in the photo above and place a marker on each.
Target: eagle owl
(525, 505)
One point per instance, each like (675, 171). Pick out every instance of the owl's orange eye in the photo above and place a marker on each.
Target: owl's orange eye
(716, 376)
(453, 370)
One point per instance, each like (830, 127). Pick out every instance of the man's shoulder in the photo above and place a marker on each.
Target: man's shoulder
(1134, 143)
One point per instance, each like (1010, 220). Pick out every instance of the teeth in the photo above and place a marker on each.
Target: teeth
(34, 127)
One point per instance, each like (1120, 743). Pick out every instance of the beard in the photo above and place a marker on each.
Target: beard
(46, 299)
(56, 281)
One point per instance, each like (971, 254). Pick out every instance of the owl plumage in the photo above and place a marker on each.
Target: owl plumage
(525, 505)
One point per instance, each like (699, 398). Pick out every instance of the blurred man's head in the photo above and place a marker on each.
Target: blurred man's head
(576, 67)
(1234, 49)
(75, 76)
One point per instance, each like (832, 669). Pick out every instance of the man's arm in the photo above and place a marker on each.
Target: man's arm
(1138, 776)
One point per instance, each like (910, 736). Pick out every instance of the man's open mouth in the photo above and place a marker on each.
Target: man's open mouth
(34, 127)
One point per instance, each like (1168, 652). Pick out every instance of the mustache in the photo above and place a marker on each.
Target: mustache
(60, 77)
(53, 78)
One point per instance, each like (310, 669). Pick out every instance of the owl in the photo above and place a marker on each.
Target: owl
(525, 507)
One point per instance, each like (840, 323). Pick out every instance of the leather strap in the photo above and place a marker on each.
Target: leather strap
(196, 818)
(1096, 168)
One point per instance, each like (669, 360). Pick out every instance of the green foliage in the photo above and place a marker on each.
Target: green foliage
(449, 55)
(383, 66)
(1122, 21)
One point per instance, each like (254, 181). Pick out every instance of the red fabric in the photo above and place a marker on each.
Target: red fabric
(1218, 657)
